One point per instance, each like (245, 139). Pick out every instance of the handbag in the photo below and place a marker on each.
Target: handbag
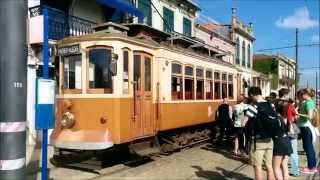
(294, 131)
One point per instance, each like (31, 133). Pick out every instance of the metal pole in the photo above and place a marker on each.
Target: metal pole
(13, 88)
(45, 73)
(317, 88)
(297, 64)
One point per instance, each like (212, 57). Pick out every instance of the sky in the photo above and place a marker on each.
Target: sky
(274, 23)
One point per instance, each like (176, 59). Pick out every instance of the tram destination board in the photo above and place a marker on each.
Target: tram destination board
(69, 50)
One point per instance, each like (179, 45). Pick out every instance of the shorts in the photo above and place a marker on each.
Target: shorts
(260, 152)
(238, 132)
(282, 146)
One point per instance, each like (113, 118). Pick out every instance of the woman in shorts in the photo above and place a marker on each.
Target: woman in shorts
(281, 143)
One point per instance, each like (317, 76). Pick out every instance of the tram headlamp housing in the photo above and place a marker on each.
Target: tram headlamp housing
(67, 120)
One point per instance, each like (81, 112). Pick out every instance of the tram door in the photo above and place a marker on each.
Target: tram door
(142, 124)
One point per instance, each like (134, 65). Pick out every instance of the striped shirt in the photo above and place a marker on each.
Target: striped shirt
(252, 111)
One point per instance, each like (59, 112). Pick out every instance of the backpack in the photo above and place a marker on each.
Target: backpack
(266, 123)
(315, 121)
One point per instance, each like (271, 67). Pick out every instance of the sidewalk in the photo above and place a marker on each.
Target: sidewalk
(202, 162)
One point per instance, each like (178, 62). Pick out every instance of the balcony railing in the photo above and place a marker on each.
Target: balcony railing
(286, 80)
(62, 25)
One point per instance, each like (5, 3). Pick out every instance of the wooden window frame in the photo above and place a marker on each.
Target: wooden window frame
(183, 26)
(97, 90)
(209, 80)
(230, 82)
(190, 77)
(220, 85)
(167, 29)
(243, 54)
(176, 75)
(69, 91)
(200, 78)
(224, 82)
(129, 72)
(238, 49)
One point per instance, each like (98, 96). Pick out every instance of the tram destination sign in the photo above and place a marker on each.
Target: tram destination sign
(35, 11)
(68, 50)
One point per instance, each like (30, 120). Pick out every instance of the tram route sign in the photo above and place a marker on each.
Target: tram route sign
(69, 50)
(35, 11)
(45, 103)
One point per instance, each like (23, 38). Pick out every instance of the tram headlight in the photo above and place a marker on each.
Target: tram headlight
(67, 120)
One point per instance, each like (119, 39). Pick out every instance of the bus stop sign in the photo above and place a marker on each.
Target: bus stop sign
(45, 103)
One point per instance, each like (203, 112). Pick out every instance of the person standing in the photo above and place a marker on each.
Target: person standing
(293, 135)
(306, 110)
(281, 142)
(224, 116)
(258, 117)
(238, 118)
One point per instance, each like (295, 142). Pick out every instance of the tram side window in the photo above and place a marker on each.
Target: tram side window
(217, 86)
(72, 71)
(125, 72)
(99, 75)
(209, 85)
(188, 83)
(230, 86)
(147, 74)
(176, 81)
(200, 83)
(224, 86)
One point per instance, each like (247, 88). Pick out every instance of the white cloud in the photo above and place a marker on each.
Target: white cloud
(301, 19)
(315, 38)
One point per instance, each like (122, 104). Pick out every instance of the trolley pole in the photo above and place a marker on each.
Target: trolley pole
(13, 88)
(297, 65)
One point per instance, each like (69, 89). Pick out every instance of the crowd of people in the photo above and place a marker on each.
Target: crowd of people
(266, 130)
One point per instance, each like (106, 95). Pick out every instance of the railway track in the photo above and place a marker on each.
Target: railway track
(118, 159)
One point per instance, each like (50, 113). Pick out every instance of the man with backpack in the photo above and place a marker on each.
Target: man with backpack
(224, 117)
(261, 121)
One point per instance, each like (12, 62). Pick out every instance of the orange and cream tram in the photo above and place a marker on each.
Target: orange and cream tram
(120, 85)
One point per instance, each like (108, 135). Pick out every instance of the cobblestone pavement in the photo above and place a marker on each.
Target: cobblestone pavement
(200, 162)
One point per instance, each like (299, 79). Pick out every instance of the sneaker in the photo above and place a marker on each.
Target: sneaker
(315, 170)
(294, 174)
(308, 171)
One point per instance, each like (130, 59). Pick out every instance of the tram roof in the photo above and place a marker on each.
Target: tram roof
(143, 40)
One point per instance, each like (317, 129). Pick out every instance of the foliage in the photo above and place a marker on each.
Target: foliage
(274, 81)
(266, 65)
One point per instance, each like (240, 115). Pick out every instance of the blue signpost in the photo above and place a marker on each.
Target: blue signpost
(45, 98)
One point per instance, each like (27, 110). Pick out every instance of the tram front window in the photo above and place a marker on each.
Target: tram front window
(72, 72)
(100, 79)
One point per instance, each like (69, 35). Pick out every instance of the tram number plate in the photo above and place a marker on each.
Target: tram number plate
(69, 50)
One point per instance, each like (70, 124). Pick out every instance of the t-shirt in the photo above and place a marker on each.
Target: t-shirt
(252, 111)
(260, 144)
(224, 115)
(238, 114)
(291, 113)
(306, 106)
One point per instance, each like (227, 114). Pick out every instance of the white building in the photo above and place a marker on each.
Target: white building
(242, 35)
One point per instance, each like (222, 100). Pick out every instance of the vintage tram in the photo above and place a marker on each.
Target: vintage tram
(123, 84)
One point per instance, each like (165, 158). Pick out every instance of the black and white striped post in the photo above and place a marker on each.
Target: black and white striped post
(13, 86)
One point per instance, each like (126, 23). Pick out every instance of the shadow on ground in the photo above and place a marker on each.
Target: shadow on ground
(94, 161)
(220, 173)
(225, 151)
(33, 166)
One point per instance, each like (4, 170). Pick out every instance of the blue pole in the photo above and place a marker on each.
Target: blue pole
(45, 73)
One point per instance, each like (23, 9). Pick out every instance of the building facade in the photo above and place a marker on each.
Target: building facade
(280, 68)
(242, 35)
(263, 81)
